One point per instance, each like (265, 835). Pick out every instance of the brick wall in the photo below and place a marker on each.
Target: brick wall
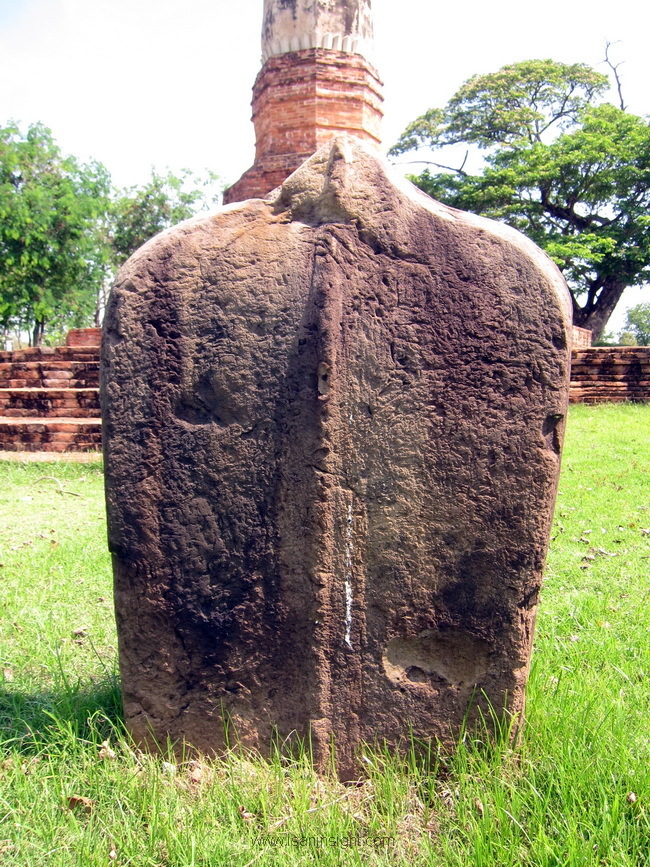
(581, 338)
(84, 337)
(610, 374)
(49, 397)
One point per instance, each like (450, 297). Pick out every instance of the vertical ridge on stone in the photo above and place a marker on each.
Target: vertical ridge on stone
(316, 83)
(332, 431)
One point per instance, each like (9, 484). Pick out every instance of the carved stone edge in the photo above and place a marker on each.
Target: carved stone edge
(318, 39)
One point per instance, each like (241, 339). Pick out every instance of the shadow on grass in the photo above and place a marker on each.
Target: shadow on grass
(83, 712)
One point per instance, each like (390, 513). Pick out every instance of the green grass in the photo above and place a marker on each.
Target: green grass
(573, 790)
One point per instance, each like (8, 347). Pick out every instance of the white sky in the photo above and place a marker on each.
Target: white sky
(167, 83)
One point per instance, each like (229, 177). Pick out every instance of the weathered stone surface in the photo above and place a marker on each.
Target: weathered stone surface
(293, 25)
(332, 428)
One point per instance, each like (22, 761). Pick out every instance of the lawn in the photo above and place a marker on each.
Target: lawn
(574, 789)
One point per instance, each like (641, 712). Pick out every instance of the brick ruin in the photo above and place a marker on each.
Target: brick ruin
(313, 86)
(49, 396)
(581, 338)
(610, 374)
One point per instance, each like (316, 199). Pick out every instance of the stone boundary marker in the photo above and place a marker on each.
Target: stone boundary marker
(332, 422)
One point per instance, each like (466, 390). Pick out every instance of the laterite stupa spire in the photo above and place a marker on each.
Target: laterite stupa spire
(316, 82)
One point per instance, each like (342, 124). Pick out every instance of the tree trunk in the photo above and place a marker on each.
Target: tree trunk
(596, 316)
(37, 335)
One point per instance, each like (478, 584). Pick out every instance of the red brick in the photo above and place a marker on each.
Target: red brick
(84, 337)
(610, 374)
(301, 100)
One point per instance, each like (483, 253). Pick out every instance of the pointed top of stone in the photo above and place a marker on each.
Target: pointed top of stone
(297, 25)
(334, 185)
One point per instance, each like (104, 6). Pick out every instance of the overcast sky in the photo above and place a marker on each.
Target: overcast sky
(165, 83)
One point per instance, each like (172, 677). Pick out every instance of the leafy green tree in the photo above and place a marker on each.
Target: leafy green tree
(51, 259)
(638, 322)
(141, 212)
(571, 174)
(138, 213)
(64, 230)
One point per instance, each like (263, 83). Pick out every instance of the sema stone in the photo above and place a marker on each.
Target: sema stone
(332, 426)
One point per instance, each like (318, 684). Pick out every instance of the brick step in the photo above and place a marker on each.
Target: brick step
(623, 393)
(606, 398)
(47, 383)
(49, 402)
(50, 435)
(608, 372)
(49, 374)
(611, 380)
(55, 379)
(606, 366)
(614, 387)
(590, 385)
(601, 385)
(630, 393)
(613, 352)
(51, 353)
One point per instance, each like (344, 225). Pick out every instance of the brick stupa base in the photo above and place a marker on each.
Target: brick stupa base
(302, 100)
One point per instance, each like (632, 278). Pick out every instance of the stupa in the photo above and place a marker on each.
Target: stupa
(316, 82)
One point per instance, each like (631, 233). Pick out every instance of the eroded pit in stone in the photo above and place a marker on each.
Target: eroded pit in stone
(452, 655)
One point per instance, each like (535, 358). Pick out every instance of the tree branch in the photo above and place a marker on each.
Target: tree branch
(562, 213)
(617, 77)
(459, 171)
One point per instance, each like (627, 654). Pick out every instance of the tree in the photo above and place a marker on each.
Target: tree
(51, 260)
(139, 213)
(571, 174)
(638, 322)
(64, 230)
